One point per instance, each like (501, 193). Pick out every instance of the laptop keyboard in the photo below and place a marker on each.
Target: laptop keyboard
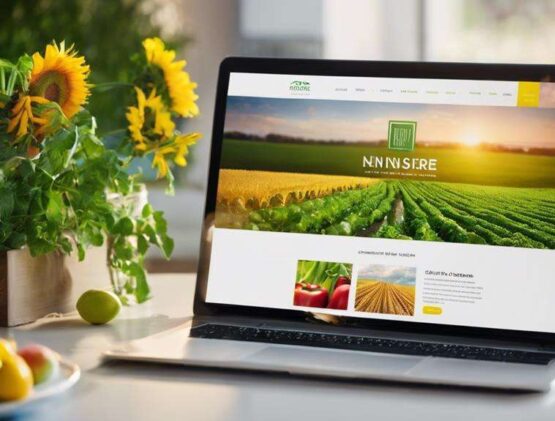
(369, 344)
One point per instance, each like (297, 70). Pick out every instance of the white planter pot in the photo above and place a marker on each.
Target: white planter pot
(32, 287)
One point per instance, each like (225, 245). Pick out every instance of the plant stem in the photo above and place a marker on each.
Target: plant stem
(106, 86)
(111, 270)
(113, 132)
(11, 83)
(2, 80)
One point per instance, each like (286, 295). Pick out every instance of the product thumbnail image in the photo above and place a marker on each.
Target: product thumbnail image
(322, 284)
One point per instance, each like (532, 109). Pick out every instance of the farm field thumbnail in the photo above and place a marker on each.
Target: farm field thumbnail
(374, 296)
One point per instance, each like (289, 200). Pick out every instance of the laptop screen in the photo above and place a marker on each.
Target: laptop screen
(424, 200)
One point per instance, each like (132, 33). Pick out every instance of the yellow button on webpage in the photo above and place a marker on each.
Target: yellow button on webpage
(432, 310)
(528, 94)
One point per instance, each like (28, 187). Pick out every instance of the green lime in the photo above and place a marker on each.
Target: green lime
(98, 307)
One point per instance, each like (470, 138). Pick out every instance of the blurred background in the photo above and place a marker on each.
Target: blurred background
(206, 31)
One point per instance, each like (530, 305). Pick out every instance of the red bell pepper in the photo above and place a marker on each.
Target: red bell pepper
(342, 280)
(340, 297)
(310, 295)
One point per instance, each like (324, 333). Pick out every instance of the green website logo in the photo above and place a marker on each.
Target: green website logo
(299, 86)
(401, 135)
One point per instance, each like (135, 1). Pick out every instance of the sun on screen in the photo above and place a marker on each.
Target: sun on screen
(471, 139)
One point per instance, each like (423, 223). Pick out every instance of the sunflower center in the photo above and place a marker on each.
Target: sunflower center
(52, 86)
(52, 92)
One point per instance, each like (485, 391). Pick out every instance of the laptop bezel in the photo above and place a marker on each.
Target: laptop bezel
(429, 70)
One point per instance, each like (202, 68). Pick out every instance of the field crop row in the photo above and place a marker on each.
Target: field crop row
(240, 190)
(427, 211)
(495, 219)
(384, 297)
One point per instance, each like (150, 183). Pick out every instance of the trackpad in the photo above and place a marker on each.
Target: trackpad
(333, 362)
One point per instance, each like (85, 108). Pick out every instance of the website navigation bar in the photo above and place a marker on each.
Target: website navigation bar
(423, 91)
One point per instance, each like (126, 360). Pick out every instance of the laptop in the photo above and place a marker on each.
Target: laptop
(377, 220)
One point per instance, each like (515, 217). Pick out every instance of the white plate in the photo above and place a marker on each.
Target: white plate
(69, 375)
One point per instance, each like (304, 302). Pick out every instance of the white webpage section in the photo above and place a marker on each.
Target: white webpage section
(514, 285)
(403, 90)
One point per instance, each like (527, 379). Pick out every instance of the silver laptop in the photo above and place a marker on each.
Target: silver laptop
(377, 220)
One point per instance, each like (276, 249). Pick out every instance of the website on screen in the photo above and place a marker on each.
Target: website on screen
(419, 200)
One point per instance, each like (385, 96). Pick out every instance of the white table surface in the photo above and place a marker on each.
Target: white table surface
(124, 391)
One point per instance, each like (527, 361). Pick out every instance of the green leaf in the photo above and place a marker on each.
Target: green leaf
(55, 152)
(142, 244)
(94, 236)
(7, 202)
(151, 234)
(80, 252)
(167, 246)
(39, 247)
(17, 240)
(161, 224)
(55, 206)
(124, 226)
(72, 150)
(123, 249)
(24, 64)
(5, 63)
(142, 290)
(65, 245)
(147, 210)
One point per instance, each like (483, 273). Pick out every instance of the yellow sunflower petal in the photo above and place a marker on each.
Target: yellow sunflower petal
(160, 163)
(38, 62)
(23, 124)
(140, 146)
(164, 124)
(39, 100)
(141, 98)
(14, 121)
(180, 160)
(21, 115)
(40, 121)
(20, 105)
(187, 139)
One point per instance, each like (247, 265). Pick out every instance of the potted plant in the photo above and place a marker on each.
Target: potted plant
(64, 193)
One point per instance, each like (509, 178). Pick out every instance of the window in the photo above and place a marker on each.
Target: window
(490, 30)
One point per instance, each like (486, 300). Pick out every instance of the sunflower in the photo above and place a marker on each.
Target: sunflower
(148, 118)
(180, 87)
(60, 76)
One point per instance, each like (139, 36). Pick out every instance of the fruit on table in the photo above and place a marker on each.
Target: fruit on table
(43, 362)
(16, 378)
(310, 295)
(340, 297)
(98, 306)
